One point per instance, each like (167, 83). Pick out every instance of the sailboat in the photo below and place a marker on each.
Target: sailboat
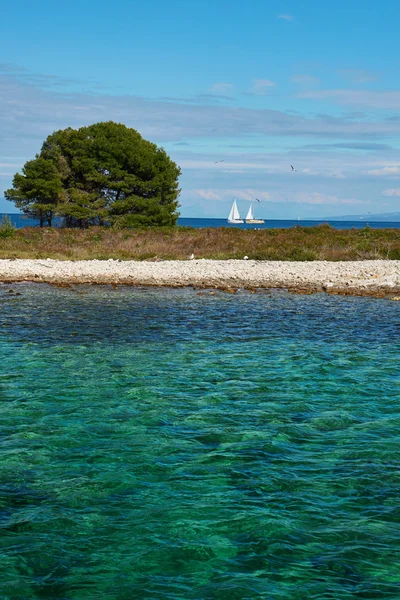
(250, 216)
(234, 216)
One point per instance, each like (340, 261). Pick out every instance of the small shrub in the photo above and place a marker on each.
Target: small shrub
(301, 254)
(366, 232)
(394, 254)
(7, 229)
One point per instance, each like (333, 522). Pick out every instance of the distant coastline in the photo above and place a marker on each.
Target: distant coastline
(375, 217)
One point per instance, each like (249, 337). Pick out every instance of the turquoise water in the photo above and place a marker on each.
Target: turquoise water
(164, 444)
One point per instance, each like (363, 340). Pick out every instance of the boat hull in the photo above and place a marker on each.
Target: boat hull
(255, 221)
(237, 221)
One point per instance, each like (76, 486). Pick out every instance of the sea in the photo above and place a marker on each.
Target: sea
(21, 221)
(186, 445)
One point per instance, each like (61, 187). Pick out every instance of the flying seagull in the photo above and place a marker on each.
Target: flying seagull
(218, 161)
(258, 200)
(292, 167)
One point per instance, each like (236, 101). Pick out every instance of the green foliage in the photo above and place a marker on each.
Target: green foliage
(301, 254)
(37, 190)
(394, 254)
(7, 229)
(104, 173)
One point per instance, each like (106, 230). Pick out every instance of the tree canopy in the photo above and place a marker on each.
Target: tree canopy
(103, 173)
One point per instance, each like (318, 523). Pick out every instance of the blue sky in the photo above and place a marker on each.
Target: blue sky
(257, 84)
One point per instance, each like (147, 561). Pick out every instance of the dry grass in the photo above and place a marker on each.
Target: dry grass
(298, 243)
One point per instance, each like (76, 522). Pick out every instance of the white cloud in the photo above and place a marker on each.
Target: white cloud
(319, 198)
(222, 89)
(223, 194)
(336, 174)
(389, 171)
(305, 79)
(227, 165)
(30, 113)
(249, 195)
(207, 194)
(372, 99)
(391, 192)
(358, 75)
(286, 17)
(261, 87)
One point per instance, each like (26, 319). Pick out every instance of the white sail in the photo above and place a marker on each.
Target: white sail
(234, 216)
(250, 218)
(250, 214)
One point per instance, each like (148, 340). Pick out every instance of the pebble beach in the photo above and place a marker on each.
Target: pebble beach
(371, 277)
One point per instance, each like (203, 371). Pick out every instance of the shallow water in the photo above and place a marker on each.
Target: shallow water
(162, 444)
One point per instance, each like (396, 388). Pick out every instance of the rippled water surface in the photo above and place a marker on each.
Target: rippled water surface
(162, 444)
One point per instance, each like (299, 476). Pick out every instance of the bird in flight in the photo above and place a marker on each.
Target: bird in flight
(218, 161)
(258, 200)
(292, 167)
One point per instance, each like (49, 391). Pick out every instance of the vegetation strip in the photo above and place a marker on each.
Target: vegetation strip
(321, 242)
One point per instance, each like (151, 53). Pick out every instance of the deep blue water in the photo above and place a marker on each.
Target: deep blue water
(175, 444)
(281, 223)
(21, 221)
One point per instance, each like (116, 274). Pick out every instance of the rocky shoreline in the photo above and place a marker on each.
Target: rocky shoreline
(372, 277)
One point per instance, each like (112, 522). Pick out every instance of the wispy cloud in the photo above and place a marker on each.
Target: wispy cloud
(198, 99)
(249, 195)
(12, 68)
(207, 194)
(261, 87)
(349, 146)
(335, 174)
(389, 99)
(228, 164)
(29, 113)
(38, 79)
(224, 89)
(358, 76)
(320, 198)
(245, 146)
(305, 80)
(286, 17)
(391, 192)
(388, 171)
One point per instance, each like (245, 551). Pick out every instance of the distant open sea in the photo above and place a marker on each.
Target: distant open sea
(170, 444)
(21, 221)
